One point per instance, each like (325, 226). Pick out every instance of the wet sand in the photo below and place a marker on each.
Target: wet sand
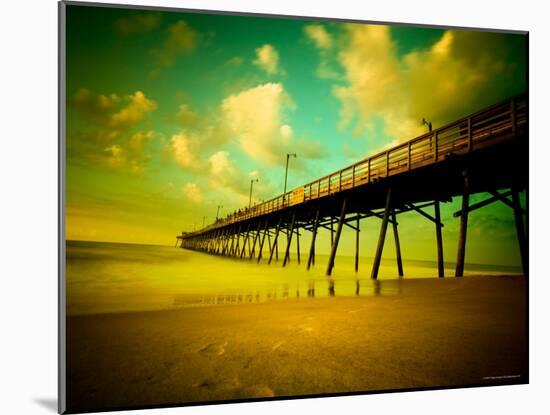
(412, 333)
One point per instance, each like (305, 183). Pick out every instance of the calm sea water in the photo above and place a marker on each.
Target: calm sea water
(110, 277)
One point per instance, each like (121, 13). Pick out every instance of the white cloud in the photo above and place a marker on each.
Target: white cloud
(186, 116)
(224, 173)
(193, 193)
(138, 23)
(184, 150)
(267, 58)
(220, 164)
(134, 112)
(286, 132)
(130, 155)
(319, 35)
(255, 118)
(437, 83)
(181, 39)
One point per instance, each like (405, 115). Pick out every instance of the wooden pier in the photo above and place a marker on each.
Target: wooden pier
(485, 152)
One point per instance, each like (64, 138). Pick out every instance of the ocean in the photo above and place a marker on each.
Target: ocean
(113, 277)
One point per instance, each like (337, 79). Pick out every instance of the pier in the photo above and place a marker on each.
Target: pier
(484, 152)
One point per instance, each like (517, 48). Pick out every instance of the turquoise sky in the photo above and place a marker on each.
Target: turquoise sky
(171, 114)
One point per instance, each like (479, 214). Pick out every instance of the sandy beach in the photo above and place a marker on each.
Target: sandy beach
(415, 333)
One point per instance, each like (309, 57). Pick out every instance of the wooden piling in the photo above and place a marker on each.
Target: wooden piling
(311, 258)
(461, 251)
(232, 249)
(261, 247)
(298, 244)
(334, 246)
(273, 248)
(381, 237)
(245, 241)
(256, 236)
(357, 245)
(331, 231)
(520, 230)
(439, 237)
(238, 243)
(289, 241)
(397, 245)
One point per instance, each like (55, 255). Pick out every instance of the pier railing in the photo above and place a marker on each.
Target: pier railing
(479, 130)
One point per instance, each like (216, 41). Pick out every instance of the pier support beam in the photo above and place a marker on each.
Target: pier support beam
(298, 244)
(245, 241)
(274, 246)
(261, 247)
(439, 237)
(461, 251)
(334, 246)
(232, 248)
(397, 245)
(520, 230)
(238, 243)
(357, 245)
(381, 237)
(311, 258)
(256, 236)
(289, 234)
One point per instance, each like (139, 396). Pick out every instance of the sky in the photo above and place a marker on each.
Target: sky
(170, 115)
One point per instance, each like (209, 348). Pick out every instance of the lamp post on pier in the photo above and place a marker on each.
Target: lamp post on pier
(218, 212)
(250, 197)
(428, 123)
(286, 174)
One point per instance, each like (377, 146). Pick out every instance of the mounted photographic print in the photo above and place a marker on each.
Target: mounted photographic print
(259, 207)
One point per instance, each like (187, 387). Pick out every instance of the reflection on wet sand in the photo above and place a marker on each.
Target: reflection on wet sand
(453, 331)
(362, 288)
(111, 278)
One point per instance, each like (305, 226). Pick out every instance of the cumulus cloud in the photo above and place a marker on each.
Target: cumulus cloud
(224, 173)
(456, 73)
(186, 116)
(184, 149)
(318, 35)
(112, 116)
(130, 156)
(97, 106)
(181, 39)
(234, 61)
(110, 132)
(134, 111)
(267, 58)
(192, 192)
(255, 117)
(138, 23)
